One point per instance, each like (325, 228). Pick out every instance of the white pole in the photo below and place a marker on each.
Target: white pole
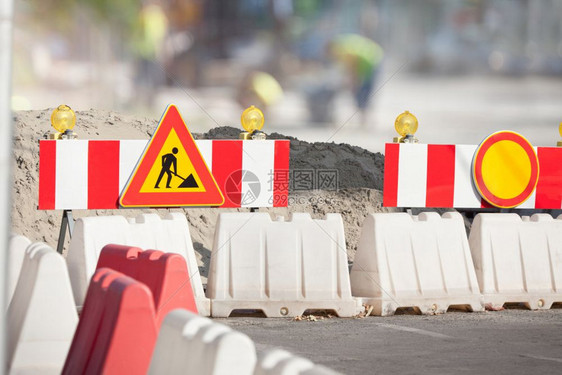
(6, 16)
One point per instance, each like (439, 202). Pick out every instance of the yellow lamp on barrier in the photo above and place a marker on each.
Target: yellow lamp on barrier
(406, 125)
(559, 143)
(252, 120)
(63, 120)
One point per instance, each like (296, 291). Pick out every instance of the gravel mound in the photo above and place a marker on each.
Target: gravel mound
(357, 167)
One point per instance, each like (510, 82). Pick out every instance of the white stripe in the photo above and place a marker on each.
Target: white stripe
(130, 152)
(71, 189)
(530, 203)
(259, 158)
(415, 330)
(205, 147)
(412, 175)
(466, 195)
(542, 358)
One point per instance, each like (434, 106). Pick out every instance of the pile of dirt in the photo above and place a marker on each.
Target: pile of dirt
(360, 176)
(357, 167)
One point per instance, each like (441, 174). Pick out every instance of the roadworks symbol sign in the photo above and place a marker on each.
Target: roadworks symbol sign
(171, 172)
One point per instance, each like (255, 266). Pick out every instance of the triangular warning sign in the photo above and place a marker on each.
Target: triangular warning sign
(171, 172)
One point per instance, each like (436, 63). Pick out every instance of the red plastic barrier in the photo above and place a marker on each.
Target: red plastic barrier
(117, 332)
(165, 274)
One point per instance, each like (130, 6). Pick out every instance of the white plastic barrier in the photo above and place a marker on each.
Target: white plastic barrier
(147, 231)
(280, 267)
(281, 362)
(190, 344)
(422, 261)
(518, 259)
(42, 315)
(16, 249)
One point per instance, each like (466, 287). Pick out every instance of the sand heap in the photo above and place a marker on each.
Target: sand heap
(360, 176)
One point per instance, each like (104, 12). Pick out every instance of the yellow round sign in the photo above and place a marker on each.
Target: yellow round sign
(505, 169)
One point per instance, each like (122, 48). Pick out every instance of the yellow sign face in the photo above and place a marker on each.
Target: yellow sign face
(506, 169)
(172, 170)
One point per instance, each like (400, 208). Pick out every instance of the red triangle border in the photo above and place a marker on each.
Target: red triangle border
(132, 197)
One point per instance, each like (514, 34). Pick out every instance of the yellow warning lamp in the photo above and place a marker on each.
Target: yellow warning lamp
(406, 125)
(63, 120)
(252, 121)
(559, 143)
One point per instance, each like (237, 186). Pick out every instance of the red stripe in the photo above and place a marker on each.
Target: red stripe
(103, 174)
(281, 174)
(549, 187)
(440, 176)
(390, 188)
(47, 174)
(227, 170)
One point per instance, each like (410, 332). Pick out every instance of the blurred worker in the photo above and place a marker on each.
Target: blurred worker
(260, 89)
(361, 58)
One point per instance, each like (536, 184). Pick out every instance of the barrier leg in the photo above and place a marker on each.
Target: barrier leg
(67, 221)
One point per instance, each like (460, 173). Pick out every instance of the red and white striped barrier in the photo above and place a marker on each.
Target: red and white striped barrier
(91, 174)
(421, 175)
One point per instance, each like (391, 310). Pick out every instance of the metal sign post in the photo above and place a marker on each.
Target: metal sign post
(67, 221)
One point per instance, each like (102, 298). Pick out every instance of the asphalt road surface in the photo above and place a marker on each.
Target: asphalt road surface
(513, 341)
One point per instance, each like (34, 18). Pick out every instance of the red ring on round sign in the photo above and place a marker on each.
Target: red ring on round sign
(478, 177)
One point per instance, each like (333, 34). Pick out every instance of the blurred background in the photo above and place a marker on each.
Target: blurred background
(331, 70)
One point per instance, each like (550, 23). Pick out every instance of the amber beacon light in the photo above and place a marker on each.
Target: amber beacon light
(252, 120)
(406, 125)
(63, 120)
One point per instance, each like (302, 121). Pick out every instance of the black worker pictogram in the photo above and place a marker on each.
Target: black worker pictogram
(169, 162)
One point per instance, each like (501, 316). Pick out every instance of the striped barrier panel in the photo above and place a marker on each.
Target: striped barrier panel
(91, 174)
(422, 175)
